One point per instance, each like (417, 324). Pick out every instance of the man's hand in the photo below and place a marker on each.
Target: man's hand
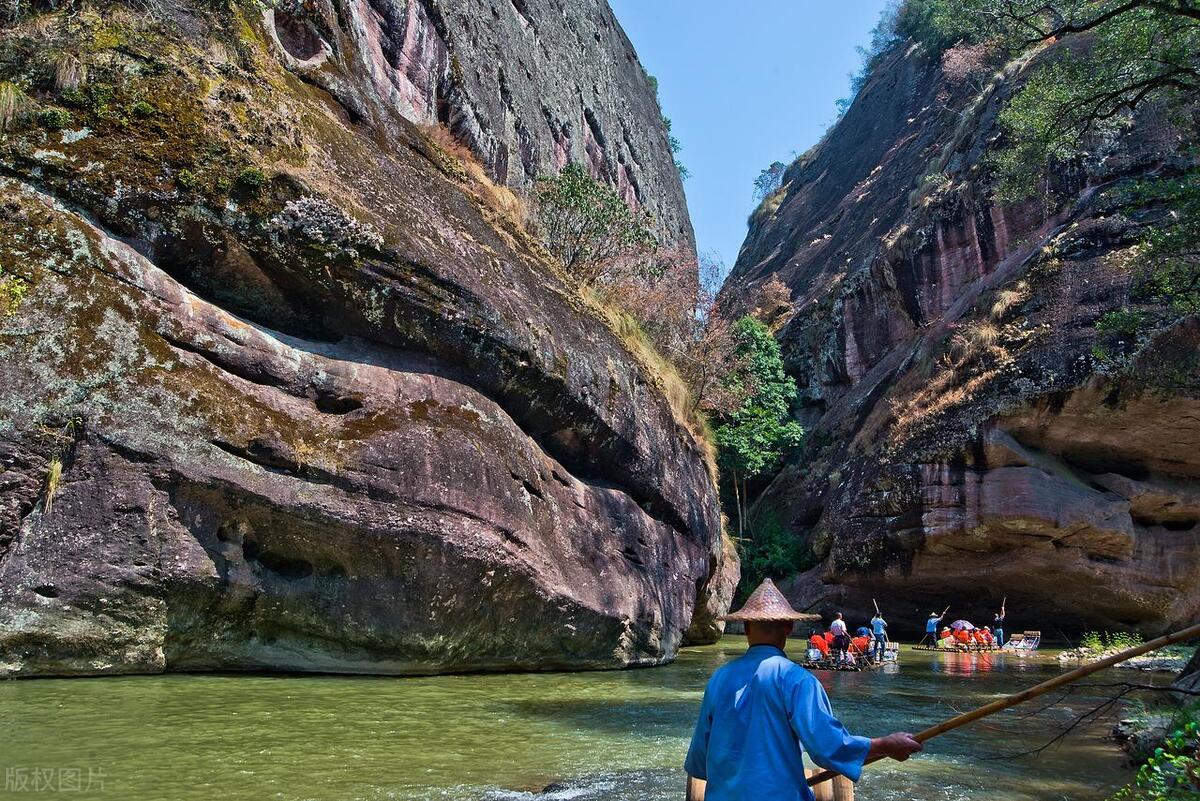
(899, 746)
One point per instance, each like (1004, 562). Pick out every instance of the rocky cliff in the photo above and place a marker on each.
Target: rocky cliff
(284, 387)
(527, 84)
(971, 434)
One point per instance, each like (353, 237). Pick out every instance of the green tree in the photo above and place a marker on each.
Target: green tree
(769, 180)
(771, 552)
(587, 225)
(1123, 54)
(753, 440)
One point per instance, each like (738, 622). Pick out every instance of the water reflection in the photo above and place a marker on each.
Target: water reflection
(964, 664)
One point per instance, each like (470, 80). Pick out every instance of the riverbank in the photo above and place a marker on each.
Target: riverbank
(608, 735)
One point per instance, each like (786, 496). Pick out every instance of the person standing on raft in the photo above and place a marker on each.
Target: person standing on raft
(879, 632)
(762, 711)
(931, 626)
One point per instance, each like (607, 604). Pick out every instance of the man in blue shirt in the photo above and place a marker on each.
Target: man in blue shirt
(879, 630)
(931, 627)
(762, 711)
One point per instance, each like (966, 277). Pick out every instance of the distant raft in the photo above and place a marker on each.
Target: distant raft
(1024, 641)
(1021, 641)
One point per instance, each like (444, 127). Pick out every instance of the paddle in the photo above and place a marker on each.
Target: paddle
(1033, 692)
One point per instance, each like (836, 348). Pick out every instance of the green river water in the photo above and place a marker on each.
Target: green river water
(607, 735)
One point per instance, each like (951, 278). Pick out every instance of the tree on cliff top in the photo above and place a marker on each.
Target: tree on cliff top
(753, 439)
(769, 180)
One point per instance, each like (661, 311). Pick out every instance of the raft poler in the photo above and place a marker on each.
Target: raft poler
(931, 627)
(762, 711)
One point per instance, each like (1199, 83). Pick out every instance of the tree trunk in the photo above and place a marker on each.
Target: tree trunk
(737, 502)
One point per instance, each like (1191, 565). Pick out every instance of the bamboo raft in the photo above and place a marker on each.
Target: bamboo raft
(838, 664)
(1021, 641)
(859, 663)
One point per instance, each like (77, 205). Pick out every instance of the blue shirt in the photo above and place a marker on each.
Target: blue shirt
(759, 714)
(932, 624)
(878, 625)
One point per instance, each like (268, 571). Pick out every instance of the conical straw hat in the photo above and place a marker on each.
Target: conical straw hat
(768, 603)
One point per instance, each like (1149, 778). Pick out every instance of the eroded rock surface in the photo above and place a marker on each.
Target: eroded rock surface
(968, 437)
(284, 393)
(529, 85)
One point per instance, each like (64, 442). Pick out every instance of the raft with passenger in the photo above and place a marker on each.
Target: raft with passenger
(859, 653)
(960, 637)
(854, 662)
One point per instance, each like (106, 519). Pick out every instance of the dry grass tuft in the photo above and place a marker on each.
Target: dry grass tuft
(1007, 299)
(69, 72)
(53, 479)
(770, 204)
(974, 341)
(460, 161)
(11, 100)
(661, 370)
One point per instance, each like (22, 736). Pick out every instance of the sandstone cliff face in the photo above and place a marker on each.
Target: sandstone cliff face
(530, 85)
(967, 438)
(285, 392)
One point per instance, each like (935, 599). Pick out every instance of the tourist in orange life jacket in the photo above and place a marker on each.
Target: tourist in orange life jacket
(963, 636)
(860, 645)
(947, 638)
(817, 640)
(977, 635)
(988, 639)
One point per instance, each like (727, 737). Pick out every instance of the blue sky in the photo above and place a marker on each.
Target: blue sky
(745, 84)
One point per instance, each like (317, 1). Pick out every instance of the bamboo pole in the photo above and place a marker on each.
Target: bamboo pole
(1033, 692)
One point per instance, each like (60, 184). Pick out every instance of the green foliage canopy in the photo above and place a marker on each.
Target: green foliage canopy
(772, 552)
(1122, 54)
(586, 224)
(769, 180)
(753, 440)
